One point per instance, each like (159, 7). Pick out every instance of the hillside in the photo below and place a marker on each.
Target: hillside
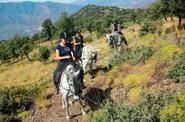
(27, 17)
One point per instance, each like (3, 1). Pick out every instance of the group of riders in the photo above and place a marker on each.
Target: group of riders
(70, 53)
(66, 54)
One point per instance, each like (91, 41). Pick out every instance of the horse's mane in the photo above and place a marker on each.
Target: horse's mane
(68, 69)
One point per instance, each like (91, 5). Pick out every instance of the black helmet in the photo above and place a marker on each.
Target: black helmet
(64, 35)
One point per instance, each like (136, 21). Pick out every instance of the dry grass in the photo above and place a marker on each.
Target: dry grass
(25, 72)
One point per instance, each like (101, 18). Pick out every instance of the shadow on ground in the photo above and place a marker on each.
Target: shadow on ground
(96, 97)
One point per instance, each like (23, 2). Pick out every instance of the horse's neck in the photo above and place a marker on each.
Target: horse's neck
(64, 78)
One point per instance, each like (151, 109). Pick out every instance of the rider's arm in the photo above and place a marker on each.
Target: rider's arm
(75, 43)
(58, 57)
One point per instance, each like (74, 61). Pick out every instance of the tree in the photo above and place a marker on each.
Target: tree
(173, 8)
(88, 24)
(44, 54)
(26, 48)
(64, 23)
(178, 9)
(48, 29)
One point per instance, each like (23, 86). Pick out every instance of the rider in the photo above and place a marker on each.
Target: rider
(116, 29)
(63, 56)
(78, 43)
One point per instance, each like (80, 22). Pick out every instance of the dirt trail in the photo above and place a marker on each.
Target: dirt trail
(55, 113)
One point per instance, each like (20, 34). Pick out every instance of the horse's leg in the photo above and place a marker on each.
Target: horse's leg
(66, 106)
(91, 65)
(82, 107)
(63, 102)
(84, 66)
(70, 102)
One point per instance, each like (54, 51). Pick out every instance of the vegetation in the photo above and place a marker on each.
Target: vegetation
(147, 109)
(15, 48)
(177, 71)
(44, 54)
(48, 29)
(18, 101)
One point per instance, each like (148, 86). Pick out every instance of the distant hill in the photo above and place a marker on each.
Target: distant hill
(95, 13)
(118, 3)
(26, 17)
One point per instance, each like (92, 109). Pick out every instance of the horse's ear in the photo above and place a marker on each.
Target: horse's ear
(77, 73)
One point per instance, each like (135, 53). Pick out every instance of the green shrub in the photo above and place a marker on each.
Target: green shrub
(44, 54)
(147, 27)
(17, 101)
(174, 112)
(117, 58)
(177, 71)
(142, 53)
(147, 110)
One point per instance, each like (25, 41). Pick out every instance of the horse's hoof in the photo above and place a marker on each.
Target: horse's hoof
(83, 113)
(70, 102)
(68, 118)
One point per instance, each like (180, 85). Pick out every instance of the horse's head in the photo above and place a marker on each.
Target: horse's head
(71, 75)
(110, 39)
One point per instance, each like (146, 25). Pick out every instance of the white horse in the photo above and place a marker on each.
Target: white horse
(67, 86)
(89, 56)
(116, 41)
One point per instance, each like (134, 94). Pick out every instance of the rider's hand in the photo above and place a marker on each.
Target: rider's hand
(68, 57)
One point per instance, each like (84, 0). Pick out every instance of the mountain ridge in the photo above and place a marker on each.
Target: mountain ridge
(27, 17)
(24, 18)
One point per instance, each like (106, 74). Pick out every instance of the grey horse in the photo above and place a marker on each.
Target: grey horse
(116, 41)
(67, 87)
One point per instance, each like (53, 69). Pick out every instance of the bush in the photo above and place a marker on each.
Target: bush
(44, 54)
(18, 100)
(135, 80)
(117, 58)
(142, 53)
(147, 27)
(147, 110)
(174, 112)
(177, 71)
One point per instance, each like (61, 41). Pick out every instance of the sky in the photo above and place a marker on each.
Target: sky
(62, 1)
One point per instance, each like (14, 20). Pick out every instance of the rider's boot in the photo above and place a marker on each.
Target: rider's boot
(57, 76)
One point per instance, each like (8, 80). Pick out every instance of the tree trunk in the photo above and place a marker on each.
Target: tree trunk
(180, 21)
(177, 35)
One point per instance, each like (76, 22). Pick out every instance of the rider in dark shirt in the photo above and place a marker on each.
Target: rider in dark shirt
(63, 56)
(78, 43)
